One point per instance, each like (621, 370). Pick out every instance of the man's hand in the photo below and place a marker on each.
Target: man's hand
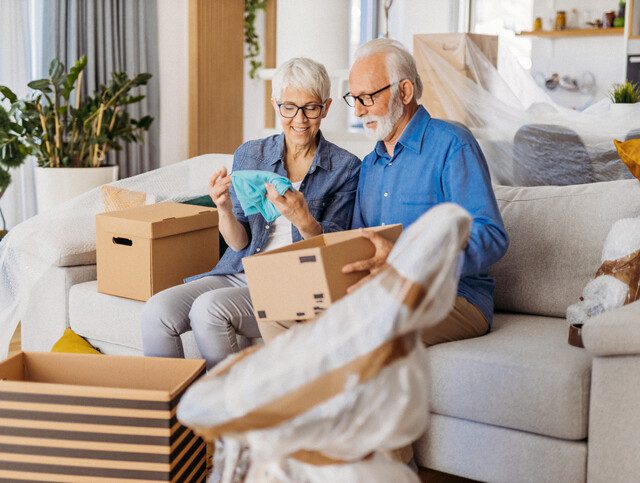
(374, 264)
(219, 185)
(294, 208)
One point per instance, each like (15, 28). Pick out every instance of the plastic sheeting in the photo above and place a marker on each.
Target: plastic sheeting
(528, 139)
(68, 232)
(321, 401)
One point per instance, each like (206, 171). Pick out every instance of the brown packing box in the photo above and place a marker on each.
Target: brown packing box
(146, 249)
(298, 281)
(86, 417)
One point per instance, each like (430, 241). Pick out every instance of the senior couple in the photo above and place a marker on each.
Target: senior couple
(417, 163)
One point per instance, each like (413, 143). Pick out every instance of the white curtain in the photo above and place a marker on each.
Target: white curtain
(17, 22)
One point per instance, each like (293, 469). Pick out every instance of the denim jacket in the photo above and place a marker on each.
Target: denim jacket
(329, 187)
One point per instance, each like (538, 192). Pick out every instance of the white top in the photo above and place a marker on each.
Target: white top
(280, 230)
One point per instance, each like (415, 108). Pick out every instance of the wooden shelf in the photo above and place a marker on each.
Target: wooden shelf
(573, 32)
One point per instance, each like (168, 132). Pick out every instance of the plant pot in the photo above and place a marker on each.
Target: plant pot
(622, 110)
(57, 185)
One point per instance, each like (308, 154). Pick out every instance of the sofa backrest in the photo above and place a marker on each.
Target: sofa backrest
(556, 238)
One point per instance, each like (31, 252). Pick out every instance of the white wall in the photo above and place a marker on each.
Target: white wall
(602, 56)
(173, 43)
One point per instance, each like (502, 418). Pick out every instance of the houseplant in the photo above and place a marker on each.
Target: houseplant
(63, 129)
(12, 151)
(625, 100)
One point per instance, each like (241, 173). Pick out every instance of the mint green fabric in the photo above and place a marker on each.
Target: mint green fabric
(249, 187)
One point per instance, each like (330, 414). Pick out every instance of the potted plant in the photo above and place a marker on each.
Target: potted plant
(64, 131)
(12, 151)
(625, 98)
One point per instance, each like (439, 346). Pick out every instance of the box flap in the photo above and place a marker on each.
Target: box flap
(158, 220)
(135, 373)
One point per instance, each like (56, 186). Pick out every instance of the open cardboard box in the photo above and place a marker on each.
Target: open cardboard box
(298, 281)
(144, 250)
(83, 417)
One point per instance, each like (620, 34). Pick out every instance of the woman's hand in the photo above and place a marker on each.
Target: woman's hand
(219, 185)
(294, 208)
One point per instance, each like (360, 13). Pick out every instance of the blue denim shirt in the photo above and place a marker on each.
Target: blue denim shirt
(329, 187)
(435, 162)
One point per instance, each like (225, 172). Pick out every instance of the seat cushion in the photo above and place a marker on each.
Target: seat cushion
(112, 324)
(556, 237)
(523, 375)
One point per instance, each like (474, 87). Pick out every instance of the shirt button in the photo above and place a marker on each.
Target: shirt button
(386, 194)
(257, 249)
(266, 227)
(382, 224)
(390, 163)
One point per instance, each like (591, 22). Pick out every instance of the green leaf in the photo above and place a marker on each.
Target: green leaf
(42, 85)
(145, 122)
(142, 79)
(56, 71)
(8, 94)
(74, 73)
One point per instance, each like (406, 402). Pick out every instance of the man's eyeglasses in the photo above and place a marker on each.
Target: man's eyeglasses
(289, 110)
(365, 99)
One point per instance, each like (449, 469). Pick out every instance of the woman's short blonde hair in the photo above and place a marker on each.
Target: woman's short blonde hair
(304, 74)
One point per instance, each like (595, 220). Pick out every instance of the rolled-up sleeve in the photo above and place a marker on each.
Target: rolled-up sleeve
(466, 181)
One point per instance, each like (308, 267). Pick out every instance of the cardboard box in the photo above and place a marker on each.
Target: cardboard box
(437, 95)
(299, 281)
(84, 417)
(146, 249)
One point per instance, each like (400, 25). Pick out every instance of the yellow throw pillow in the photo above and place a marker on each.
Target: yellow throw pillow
(72, 343)
(629, 152)
(116, 199)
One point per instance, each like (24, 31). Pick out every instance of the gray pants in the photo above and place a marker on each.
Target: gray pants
(216, 308)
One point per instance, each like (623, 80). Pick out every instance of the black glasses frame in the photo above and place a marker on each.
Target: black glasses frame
(306, 114)
(350, 99)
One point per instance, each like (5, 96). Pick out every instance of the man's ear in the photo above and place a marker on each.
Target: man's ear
(406, 91)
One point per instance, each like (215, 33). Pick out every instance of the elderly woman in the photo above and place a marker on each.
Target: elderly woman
(216, 305)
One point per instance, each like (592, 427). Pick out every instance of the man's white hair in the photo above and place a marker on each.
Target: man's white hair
(304, 74)
(400, 63)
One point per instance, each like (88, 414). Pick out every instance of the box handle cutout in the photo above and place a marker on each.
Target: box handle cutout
(307, 259)
(122, 241)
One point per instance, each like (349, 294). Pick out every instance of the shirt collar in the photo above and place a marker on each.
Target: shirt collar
(412, 135)
(320, 160)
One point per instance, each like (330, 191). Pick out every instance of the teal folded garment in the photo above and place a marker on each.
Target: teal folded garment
(252, 195)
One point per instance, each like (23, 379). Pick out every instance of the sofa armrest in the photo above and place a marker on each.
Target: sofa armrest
(613, 333)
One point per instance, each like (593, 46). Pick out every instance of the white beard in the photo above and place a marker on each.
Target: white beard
(384, 124)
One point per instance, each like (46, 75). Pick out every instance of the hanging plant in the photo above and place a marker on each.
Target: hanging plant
(251, 39)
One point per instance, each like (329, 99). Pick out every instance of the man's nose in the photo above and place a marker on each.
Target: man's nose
(360, 109)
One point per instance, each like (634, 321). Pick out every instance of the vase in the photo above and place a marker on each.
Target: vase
(57, 185)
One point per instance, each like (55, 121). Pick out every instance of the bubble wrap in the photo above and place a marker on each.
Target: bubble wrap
(527, 138)
(381, 406)
(69, 230)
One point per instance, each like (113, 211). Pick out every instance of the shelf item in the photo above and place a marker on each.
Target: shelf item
(573, 32)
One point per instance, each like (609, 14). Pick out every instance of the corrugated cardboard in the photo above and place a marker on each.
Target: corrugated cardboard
(300, 280)
(439, 100)
(84, 417)
(146, 249)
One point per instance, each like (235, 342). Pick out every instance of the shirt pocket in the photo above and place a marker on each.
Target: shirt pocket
(415, 204)
(318, 206)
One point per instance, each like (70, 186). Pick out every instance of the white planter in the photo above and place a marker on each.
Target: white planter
(626, 111)
(57, 185)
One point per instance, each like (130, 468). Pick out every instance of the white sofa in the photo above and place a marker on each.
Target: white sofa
(518, 404)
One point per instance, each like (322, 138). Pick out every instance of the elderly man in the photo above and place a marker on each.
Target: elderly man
(417, 163)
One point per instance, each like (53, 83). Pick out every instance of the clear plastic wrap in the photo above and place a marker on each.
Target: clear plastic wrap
(65, 235)
(323, 400)
(528, 139)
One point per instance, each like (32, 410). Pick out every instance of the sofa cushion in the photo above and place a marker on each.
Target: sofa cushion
(556, 237)
(522, 375)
